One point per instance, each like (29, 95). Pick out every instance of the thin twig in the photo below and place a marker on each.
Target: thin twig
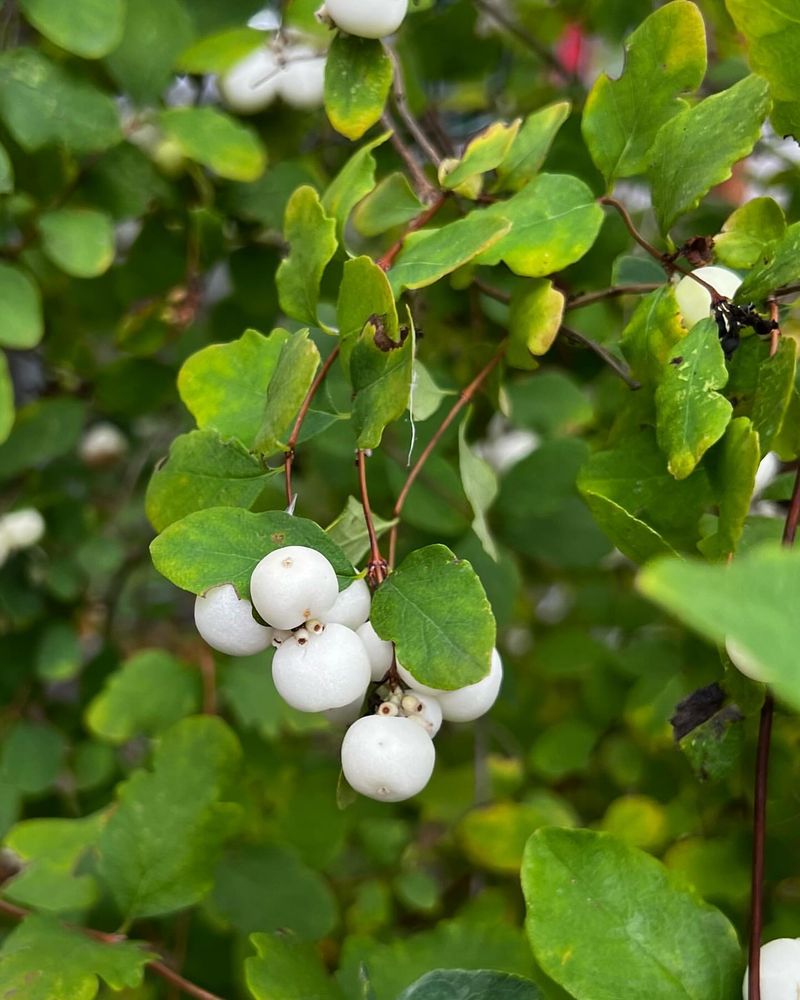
(579, 301)
(527, 39)
(613, 363)
(386, 261)
(498, 294)
(160, 968)
(425, 190)
(377, 566)
(301, 416)
(464, 398)
(780, 293)
(775, 333)
(401, 103)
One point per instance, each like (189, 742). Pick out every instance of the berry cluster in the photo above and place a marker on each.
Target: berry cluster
(327, 655)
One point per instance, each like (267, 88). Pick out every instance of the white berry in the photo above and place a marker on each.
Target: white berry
(293, 584)
(102, 444)
(22, 528)
(694, 301)
(226, 622)
(351, 607)
(425, 710)
(379, 651)
(252, 83)
(744, 662)
(780, 970)
(301, 82)
(466, 703)
(387, 758)
(345, 715)
(367, 18)
(327, 671)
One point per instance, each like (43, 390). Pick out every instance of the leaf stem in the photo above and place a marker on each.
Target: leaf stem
(386, 261)
(377, 566)
(301, 416)
(580, 301)
(464, 398)
(425, 189)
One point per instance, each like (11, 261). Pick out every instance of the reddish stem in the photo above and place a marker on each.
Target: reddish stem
(301, 416)
(386, 261)
(377, 567)
(464, 398)
(775, 334)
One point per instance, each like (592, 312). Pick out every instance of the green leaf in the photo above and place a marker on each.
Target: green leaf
(652, 332)
(691, 414)
(32, 757)
(150, 691)
(776, 380)
(555, 220)
(42, 959)
(6, 171)
(493, 837)
(89, 28)
(223, 545)
(43, 106)
(641, 933)
(714, 748)
(430, 254)
(203, 471)
(58, 652)
(484, 152)
(461, 984)
(79, 240)
(637, 502)
(286, 969)
(355, 180)
(181, 802)
(217, 141)
(154, 35)
(311, 236)
(268, 887)
(43, 431)
(772, 33)
(480, 485)
(21, 321)
(531, 145)
(219, 52)
(358, 75)
(708, 598)
(381, 365)
(533, 322)
(392, 203)
(434, 608)
(697, 148)
(750, 233)
(349, 530)
(665, 57)
(51, 851)
(6, 399)
(364, 294)
(288, 387)
(732, 468)
(426, 395)
(224, 386)
(782, 269)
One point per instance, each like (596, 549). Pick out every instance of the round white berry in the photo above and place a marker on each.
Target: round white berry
(466, 703)
(389, 758)
(351, 607)
(252, 83)
(379, 651)
(425, 710)
(226, 622)
(780, 970)
(345, 715)
(328, 670)
(102, 444)
(367, 18)
(694, 301)
(301, 82)
(22, 528)
(293, 584)
(745, 662)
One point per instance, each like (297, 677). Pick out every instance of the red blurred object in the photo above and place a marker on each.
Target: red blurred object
(571, 50)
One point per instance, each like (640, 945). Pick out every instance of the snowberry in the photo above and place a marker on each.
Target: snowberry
(466, 703)
(387, 758)
(22, 528)
(388, 708)
(252, 83)
(694, 301)
(345, 715)
(293, 584)
(102, 444)
(379, 651)
(351, 607)
(425, 710)
(301, 82)
(367, 18)
(226, 622)
(744, 662)
(327, 671)
(780, 970)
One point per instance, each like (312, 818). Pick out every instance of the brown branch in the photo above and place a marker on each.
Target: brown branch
(464, 398)
(613, 363)
(401, 103)
(160, 968)
(425, 189)
(377, 566)
(301, 416)
(579, 301)
(780, 293)
(498, 294)
(527, 39)
(775, 333)
(386, 261)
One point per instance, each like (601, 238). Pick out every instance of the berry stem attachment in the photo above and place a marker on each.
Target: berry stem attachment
(464, 398)
(377, 567)
(301, 416)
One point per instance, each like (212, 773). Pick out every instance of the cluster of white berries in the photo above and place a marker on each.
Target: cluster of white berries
(20, 529)
(780, 970)
(327, 654)
(293, 72)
